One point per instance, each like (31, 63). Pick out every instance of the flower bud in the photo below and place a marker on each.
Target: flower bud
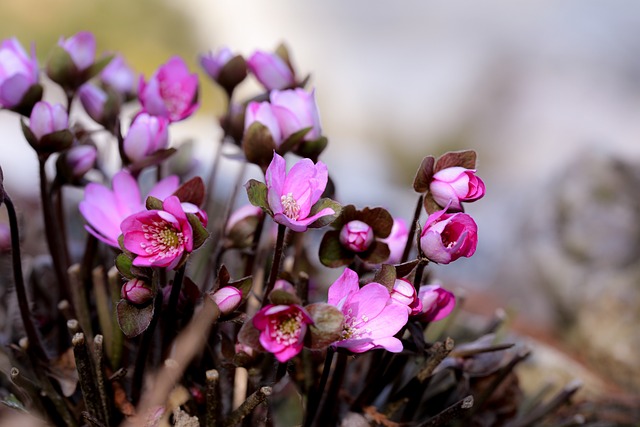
(46, 119)
(227, 299)
(212, 63)
(296, 109)
(271, 70)
(146, 135)
(242, 225)
(80, 159)
(136, 292)
(18, 73)
(405, 293)
(82, 49)
(262, 113)
(103, 106)
(283, 285)
(455, 185)
(447, 237)
(119, 76)
(356, 236)
(437, 303)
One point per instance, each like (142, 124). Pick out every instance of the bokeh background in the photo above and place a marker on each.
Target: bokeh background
(547, 93)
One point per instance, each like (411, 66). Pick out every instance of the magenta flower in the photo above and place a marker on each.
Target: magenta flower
(227, 298)
(212, 63)
(371, 316)
(405, 293)
(18, 72)
(159, 238)
(80, 159)
(262, 112)
(447, 237)
(119, 76)
(136, 291)
(93, 101)
(82, 49)
(146, 135)
(437, 303)
(455, 185)
(397, 240)
(271, 70)
(356, 236)
(105, 209)
(282, 329)
(171, 92)
(46, 119)
(291, 195)
(295, 110)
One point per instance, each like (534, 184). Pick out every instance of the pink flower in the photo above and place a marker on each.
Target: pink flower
(82, 49)
(371, 316)
(456, 185)
(291, 195)
(136, 291)
(244, 212)
(159, 238)
(437, 303)
(405, 293)
(80, 159)
(227, 298)
(105, 209)
(262, 112)
(271, 70)
(295, 110)
(18, 72)
(212, 63)
(447, 237)
(356, 236)
(397, 240)
(119, 76)
(282, 329)
(46, 118)
(171, 92)
(93, 101)
(146, 135)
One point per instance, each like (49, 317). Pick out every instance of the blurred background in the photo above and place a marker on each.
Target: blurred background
(547, 93)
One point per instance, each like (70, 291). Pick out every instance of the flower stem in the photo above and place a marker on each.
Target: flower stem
(412, 230)
(275, 266)
(21, 292)
(172, 323)
(331, 405)
(143, 350)
(315, 396)
(212, 377)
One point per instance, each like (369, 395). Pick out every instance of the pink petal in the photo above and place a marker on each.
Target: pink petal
(344, 286)
(275, 179)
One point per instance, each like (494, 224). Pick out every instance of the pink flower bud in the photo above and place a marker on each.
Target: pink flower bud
(295, 110)
(437, 303)
(18, 72)
(146, 135)
(227, 298)
(356, 236)
(81, 159)
(404, 293)
(136, 291)
(46, 119)
(447, 237)
(262, 113)
(284, 285)
(82, 49)
(242, 213)
(271, 70)
(171, 92)
(212, 63)
(93, 101)
(119, 76)
(455, 185)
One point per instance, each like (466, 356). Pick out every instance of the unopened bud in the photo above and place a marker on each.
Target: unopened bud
(356, 236)
(227, 299)
(136, 292)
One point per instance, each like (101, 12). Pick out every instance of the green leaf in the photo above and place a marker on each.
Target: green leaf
(312, 149)
(29, 136)
(293, 140)
(124, 264)
(232, 73)
(61, 68)
(379, 219)
(153, 204)
(257, 194)
(327, 219)
(29, 99)
(152, 160)
(377, 253)
(423, 175)
(327, 325)
(465, 159)
(98, 66)
(258, 145)
(332, 253)
(55, 141)
(192, 191)
(200, 234)
(133, 320)
(431, 205)
(280, 297)
(244, 285)
(386, 276)
(403, 270)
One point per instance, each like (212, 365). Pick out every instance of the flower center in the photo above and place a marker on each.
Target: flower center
(162, 239)
(290, 206)
(286, 330)
(174, 97)
(352, 327)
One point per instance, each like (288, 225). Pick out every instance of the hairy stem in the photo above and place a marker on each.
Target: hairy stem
(412, 230)
(275, 266)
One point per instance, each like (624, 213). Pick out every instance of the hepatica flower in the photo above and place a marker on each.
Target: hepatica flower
(436, 303)
(159, 238)
(371, 316)
(447, 237)
(282, 329)
(455, 185)
(271, 70)
(292, 194)
(18, 72)
(105, 209)
(81, 47)
(146, 135)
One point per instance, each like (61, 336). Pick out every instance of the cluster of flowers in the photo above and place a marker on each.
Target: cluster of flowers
(160, 231)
